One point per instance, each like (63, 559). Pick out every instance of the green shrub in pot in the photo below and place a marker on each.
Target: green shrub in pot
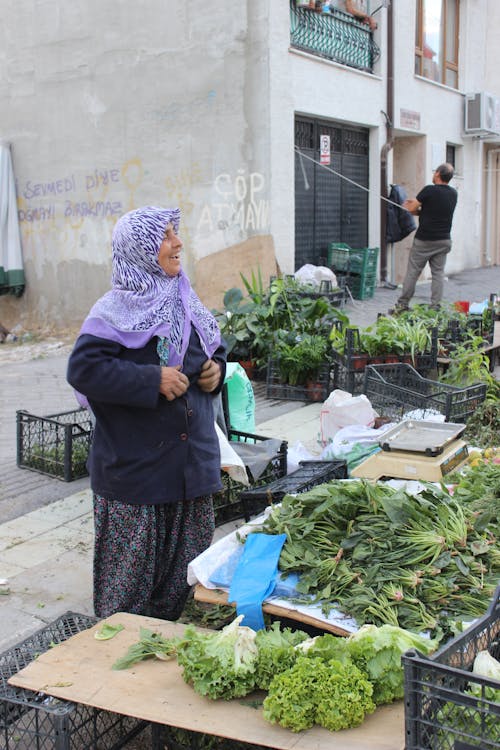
(301, 360)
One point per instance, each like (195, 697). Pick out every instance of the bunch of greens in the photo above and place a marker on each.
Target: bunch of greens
(385, 556)
(219, 664)
(150, 645)
(326, 680)
(276, 652)
(478, 489)
(333, 694)
(378, 651)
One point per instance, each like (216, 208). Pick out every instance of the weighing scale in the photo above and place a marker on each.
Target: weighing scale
(416, 449)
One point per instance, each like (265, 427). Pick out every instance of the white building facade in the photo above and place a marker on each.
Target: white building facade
(222, 111)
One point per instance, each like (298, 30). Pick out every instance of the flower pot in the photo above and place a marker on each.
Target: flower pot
(359, 361)
(249, 367)
(315, 390)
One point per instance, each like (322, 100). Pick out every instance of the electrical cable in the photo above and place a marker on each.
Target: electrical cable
(302, 155)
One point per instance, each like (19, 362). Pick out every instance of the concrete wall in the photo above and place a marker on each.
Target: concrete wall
(109, 106)
(112, 106)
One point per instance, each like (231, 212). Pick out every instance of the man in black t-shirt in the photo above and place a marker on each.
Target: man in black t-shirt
(434, 205)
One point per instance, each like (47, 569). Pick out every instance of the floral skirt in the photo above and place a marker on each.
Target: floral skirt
(142, 552)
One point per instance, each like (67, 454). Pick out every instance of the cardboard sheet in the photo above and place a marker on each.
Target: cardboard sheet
(79, 670)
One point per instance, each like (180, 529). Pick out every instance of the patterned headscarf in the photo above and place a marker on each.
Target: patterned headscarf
(144, 301)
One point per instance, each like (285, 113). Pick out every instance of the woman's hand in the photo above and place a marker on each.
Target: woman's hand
(209, 378)
(173, 382)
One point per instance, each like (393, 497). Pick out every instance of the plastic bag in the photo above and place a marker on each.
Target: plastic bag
(241, 399)
(255, 576)
(342, 409)
(309, 274)
(295, 455)
(230, 461)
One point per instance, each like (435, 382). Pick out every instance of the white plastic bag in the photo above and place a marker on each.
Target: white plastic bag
(342, 409)
(309, 274)
(295, 455)
(229, 459)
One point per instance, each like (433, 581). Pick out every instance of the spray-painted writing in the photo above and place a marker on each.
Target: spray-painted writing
(42, 213)
(56, 187)
(98, 209)
(242, 203)
(101, 177)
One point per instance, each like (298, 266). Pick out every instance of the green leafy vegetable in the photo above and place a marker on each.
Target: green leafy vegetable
(276, 652)
(378, 651)
(219, 664)
(107, 631)
(314, 691)
(150, 645)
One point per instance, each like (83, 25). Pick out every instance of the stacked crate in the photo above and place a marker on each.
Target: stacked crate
(359, 265)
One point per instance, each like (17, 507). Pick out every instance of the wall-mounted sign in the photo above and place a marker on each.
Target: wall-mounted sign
(324, 149)
(409, 119)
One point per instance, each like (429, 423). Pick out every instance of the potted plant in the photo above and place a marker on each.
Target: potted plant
(302, 360)
(233, 323)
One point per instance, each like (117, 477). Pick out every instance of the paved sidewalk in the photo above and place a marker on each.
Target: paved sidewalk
(46, 532)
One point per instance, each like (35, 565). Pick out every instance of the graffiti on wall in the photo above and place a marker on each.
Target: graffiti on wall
(240, 203)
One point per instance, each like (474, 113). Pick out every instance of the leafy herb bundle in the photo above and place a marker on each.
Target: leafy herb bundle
(385, 556)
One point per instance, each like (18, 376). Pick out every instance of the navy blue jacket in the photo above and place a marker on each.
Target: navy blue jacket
(145, 449)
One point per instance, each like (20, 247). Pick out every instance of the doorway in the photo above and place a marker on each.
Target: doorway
(328, 208)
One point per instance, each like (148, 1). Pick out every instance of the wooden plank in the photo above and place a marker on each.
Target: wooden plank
(80, 670)
(217, 596)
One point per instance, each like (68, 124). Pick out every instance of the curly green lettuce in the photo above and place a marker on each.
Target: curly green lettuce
(313, 691)
(277, 652)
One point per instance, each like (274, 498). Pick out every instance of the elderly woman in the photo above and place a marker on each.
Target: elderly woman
(149, 359)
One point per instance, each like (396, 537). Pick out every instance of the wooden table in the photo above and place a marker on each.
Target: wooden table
(217, 596)
(79, 670)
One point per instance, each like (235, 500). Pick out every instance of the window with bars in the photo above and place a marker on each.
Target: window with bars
(436, 40)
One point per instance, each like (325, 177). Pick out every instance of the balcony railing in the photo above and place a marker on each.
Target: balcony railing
(336, 36)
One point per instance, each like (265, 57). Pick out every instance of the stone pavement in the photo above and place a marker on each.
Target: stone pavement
(46, 532)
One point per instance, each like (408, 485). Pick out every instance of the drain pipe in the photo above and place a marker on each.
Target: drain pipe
(490, 213)
(389, 123)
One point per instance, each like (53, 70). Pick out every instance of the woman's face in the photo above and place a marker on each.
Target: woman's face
(169, 255)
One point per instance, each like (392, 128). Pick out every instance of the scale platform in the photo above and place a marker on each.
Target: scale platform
(416, 450)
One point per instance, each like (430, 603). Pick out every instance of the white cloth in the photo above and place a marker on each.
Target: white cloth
(11, 258)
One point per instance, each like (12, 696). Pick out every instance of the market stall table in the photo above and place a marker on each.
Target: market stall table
(80, 670)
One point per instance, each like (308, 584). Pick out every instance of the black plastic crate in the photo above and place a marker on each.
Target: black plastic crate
(397, 388)
(308, 475)
(30, 720)
(56, 445)
(319, 390)
(460, 330)
(228, 505)
(171, 738)
(349, 366)
(335, 295)
(440, 711)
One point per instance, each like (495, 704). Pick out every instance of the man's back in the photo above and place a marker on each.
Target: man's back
(436, 215)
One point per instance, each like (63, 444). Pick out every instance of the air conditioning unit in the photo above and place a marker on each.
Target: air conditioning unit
(482, 114)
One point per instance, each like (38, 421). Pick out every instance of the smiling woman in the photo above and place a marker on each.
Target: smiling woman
(169, 254)
(149, 359)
